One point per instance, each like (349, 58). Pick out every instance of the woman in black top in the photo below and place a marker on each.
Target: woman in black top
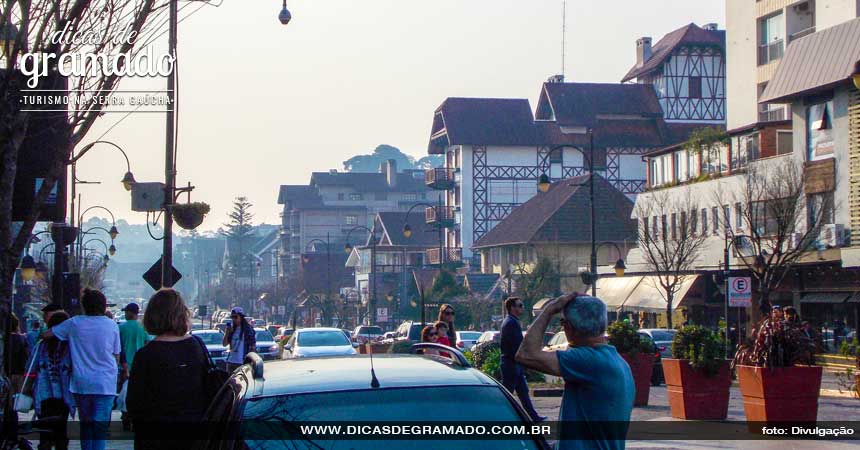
(166, 386)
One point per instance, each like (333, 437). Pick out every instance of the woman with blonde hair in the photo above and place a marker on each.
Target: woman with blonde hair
(167, 382)
(446, 314)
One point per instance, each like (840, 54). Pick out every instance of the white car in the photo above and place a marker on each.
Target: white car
(214, 340)
(310, 342)
(466, 339)
(267, 348)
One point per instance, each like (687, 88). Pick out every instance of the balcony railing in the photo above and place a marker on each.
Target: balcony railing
(770, 52)
(452, 255)
(801, 34)
(440, 215)
(439, 178)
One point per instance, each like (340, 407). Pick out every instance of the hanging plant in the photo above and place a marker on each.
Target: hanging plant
(190, 215)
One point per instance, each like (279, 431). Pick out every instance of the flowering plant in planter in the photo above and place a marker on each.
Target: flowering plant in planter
(776, 343)
(701, 347)
(190, 215)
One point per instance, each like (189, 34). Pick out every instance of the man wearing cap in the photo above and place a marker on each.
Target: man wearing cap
(132, 338)
(241, 338)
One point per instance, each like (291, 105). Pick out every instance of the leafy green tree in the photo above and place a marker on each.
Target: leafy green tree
(382, 153)
(534, 283)
(445, 288)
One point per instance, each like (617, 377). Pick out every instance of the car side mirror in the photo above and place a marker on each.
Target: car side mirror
(355, 345)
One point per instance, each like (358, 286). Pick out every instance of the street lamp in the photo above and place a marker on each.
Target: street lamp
(28, 268)
(8, 36)
(543, 183)
(407, 230)
(285, 15)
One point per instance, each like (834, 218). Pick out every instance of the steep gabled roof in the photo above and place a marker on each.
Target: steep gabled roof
(561, 215)
(300, 197)
(687, 35)
(481, 283)
(581, 104)
(422, 236)
(484, 121)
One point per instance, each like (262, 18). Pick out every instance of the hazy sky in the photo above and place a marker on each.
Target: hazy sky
(263, 105)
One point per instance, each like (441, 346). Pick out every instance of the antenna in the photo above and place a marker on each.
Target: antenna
(374, 382)
(563, 32)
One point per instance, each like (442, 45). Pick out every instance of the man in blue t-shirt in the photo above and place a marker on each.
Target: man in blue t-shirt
(598, 384)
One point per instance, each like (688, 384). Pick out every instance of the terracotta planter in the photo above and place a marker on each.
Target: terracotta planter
(785, 394)
(695, 396)
(641, 364)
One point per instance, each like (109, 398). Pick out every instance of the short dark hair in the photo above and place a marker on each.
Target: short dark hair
(166, 313)
(57, 318)
(425, 333)
(94, 302)
(510, 302)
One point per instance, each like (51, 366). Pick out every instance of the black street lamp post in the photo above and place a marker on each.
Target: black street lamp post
(371, 303)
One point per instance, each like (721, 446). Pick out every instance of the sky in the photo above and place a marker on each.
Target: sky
(262, 104)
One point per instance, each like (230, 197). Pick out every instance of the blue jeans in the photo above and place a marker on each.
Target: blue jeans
(94, 412)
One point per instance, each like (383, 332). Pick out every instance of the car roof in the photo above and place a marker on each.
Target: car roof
(340, 373)
(305, 330)
(206, 331)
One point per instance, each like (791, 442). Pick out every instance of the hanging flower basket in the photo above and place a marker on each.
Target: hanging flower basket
(190, 215)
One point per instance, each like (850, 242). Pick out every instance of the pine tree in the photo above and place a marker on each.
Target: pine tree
(239, 233)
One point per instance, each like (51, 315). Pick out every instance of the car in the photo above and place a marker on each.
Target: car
(257, 323)
(390, 335)
(411, 388)
(274, 329)
(347, 333)
(489, 336)
(657, 377)
(222, 326)
(283, 334)
(198, 326)
(662, 338)
(558, 342)
(364, 333)
(408, 331)
(466, 339)
(266, 346)
(214, 340)
(311, 342)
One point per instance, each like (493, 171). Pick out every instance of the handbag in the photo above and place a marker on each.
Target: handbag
(215, 377)
(22, 401)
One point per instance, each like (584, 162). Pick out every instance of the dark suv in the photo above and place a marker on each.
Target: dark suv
(410, 388)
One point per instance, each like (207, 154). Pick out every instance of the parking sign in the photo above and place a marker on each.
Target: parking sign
(740, 292)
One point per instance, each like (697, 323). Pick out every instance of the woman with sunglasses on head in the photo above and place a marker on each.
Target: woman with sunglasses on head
(446, 314)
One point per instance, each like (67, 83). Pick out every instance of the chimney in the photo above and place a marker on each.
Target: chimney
(391, 172)
(643, 51)
(555, 79)
(710, 27)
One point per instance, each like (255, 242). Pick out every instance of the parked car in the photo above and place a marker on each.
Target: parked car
(310, 342)
(284, 333)
(338, 389)
(657, 377)
(466, 339)
(198, 326)
(274, 329)
(557, 342)
(258, 323)
(222, 326)
(389, 335)
(408, 331)
(489, 336)
(662, 338)
(214, 340)
(266, 346)
(364, 333)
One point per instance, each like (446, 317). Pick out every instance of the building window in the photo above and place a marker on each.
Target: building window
(655, 228)
(645, 227)
(684, 229)
(674, 226)
(677, 157)
(411, 197)
(747, 149)
(815, 203)
(381, 196)
(556, 156)
(784, 144)
(355, 196)
(704, 221)
(694, 221)
(727, 219)
(664, 230)
(739, 216)
(819, 131)
(695, 87)
(715, 217)
(351, 219)
(771, 32)
(692, 165)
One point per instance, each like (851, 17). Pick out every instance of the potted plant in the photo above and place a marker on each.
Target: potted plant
(190, 215)
(698, 378)
(777, 374)
(850, 379)
(639, 352)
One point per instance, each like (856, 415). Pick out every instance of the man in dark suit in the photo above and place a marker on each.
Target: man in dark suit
(513, 376)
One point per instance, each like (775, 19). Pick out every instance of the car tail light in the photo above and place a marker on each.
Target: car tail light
(460, 344)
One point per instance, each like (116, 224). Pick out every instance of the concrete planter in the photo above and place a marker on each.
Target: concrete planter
(641, 364)
(695, 396)
(782, 394)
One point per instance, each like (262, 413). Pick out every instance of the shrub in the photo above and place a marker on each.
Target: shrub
(533, 376)
(701, 347)
(624, 337)
(776, 344)
(492, 364)
(480, 353)
(400, 347)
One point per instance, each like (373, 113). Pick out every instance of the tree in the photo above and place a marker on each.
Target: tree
(382, 153)
(708, 143)
(778, 226)
(239, 233)
(669, 241)
(36, 21)
(534, 282)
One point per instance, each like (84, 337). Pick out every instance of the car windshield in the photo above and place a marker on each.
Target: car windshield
(470, 335)
(322, 338)
(419, 405)
(662, 335)
(211, 338)
(415, 332)
(264, 336)
(369, 330)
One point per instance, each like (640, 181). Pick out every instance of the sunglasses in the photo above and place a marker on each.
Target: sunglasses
(518, 305)
(449, 312)
(432, 335)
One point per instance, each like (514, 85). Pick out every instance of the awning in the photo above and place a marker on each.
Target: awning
(825, 297)
(854, 298)
(651, 297)
(614, 291)
(816, 62)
